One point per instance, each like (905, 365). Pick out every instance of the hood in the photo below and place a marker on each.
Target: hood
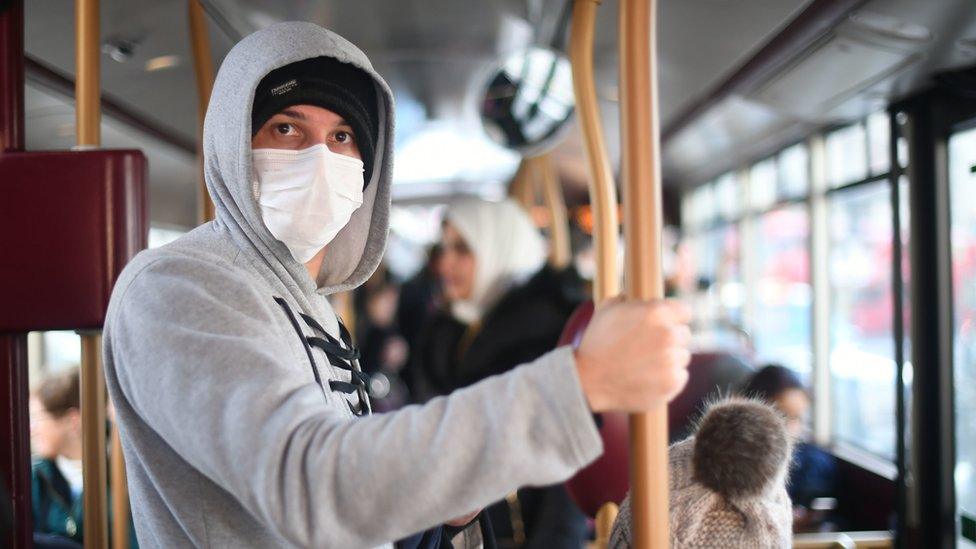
(356, 251)
(507, 248)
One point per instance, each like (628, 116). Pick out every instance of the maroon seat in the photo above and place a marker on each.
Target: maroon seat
(710, 374)
(607, 478)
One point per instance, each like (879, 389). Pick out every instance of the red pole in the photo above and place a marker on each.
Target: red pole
(11, 76)
(15, 427)
(14, 418)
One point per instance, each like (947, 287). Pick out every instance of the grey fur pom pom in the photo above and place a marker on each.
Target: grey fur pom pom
(741, 448)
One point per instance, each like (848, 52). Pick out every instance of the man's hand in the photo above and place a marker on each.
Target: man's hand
(634, 355)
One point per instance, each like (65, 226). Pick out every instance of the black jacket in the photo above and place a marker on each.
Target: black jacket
(524, 324)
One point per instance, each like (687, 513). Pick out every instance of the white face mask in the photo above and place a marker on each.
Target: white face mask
(306, 196)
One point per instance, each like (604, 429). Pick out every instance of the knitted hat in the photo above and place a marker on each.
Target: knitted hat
(327, 83)
(728, 482)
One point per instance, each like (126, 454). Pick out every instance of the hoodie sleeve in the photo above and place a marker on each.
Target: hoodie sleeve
(204, 362)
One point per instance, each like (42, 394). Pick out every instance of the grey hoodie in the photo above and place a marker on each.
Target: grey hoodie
(228, 439)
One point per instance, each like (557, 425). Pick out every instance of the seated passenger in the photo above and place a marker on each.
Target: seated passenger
(507, 307)
(813, 473)
(56, 472)
(56, 477)
(727, 482)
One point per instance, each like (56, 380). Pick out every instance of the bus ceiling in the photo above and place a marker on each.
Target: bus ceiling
(738, 79)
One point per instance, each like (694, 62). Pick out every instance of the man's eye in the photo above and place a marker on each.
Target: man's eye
(343, 137)
(284, 129)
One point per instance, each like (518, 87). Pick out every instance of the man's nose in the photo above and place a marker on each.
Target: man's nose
(320, 139)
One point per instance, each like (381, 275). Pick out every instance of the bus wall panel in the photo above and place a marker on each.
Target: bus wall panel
(69, 222)
(866, 499)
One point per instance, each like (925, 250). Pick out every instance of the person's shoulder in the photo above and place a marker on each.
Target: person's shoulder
(441, 319)
(182, 274)
(196, 257)
(809, 458)
(561, 288)
(42, 469)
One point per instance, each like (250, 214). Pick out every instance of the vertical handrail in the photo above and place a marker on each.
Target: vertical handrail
(641, 171)
(602, 189)
(522, 188)
(93, 442)
(204, 71)
(560, 250)
(12, 77)
(120, 492)
(88, 135)
(88, 113)
(605, 518)
(898, 285)
(345, 306)
(15, 458)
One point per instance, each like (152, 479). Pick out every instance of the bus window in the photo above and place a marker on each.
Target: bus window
(762, 185)
(782, 293)
(727, 194)
(962, 193)
(862, 366)
(794, 170)
(879, 133)
(699, 208)
(846, 156)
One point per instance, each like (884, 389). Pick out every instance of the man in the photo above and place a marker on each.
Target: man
(235, 387)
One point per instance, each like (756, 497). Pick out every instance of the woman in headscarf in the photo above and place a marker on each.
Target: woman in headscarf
(506, 307)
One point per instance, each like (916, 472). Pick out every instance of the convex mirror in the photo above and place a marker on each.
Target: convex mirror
(528, 101)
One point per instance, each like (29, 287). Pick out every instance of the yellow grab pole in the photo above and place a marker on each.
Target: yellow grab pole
(642, 232)
(88, 111)
(88, 134)
(120, 493)
(93, 443)
(560, 251)
(605, 518)
(345, 306)
(522, 188)
(204, 70)
(603, 192)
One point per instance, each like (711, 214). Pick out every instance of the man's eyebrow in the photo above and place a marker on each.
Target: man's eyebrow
(294, 114)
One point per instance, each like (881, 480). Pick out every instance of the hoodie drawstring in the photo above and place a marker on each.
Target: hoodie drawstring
(344, 357)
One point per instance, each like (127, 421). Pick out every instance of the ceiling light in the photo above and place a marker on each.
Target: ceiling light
(118, 49)
(162, 62)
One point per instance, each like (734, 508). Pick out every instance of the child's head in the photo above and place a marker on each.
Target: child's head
(780, 387)
(55, 414)
(728, 481)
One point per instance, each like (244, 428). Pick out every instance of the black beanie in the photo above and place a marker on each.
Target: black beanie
(324, 82)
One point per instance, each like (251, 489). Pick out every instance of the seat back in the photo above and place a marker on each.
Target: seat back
(711, 375)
